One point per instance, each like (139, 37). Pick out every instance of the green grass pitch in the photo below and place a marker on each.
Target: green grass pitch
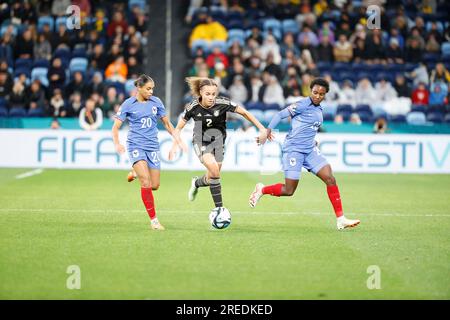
(286, 248)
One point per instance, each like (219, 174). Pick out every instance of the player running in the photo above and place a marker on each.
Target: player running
(300, 150)
(210, 113)
(142, 112)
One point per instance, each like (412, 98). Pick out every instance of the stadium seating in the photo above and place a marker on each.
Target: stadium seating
(416, 118)
(17, 112)
(40, 74)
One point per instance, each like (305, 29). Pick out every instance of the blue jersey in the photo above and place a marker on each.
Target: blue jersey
(306, 120)
(143, 118)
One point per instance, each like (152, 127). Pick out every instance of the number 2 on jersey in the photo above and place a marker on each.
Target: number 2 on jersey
(209, 122)
(146, 123)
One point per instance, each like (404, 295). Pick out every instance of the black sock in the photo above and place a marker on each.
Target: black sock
(216, 191)
(202, 182)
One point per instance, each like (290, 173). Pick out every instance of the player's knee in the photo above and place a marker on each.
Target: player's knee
(214, 173)
(145, 182)
(330, 180)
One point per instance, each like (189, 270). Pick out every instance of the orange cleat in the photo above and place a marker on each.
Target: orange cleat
(131, 176)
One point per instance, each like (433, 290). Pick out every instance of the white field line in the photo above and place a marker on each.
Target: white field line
(29, 173)
(359, 215)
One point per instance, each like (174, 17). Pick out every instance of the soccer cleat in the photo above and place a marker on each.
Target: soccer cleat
(343, 222)
(256, 195)
(193, 190)
(131, 176)
(156, 225)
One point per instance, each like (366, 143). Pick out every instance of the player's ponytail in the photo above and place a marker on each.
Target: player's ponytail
(142, 81)
(196, 83)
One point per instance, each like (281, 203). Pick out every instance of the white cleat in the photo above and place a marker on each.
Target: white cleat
(256, 195)
(343, 222)
(193, 190)
(156, 225)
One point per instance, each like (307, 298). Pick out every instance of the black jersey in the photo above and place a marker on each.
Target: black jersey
(209, 121)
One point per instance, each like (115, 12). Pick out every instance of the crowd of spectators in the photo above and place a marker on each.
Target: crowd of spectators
(265, 53)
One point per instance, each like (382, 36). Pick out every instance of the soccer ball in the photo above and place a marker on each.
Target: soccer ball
(220, 217)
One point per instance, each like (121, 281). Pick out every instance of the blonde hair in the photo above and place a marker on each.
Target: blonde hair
(196, 83)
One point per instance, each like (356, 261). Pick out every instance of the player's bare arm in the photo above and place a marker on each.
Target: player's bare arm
(115, 133)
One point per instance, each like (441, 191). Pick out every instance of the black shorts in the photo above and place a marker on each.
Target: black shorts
(215, 148)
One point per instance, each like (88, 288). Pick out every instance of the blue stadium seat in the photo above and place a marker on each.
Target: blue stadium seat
(272, 24)
(276, 33)
(272, 106)
(236, 34)
(365, 116)
(347, 108)
(435, 117)
(79, 53)
(34, 113)
(23, 63)
(445, 49)
(290, 25)
(139, 3)
(41, 63)
(254, 106)
(46, 20)
(41, 75)
(78, 64)
(17, 112)
(15, 30)
(62, 53)
(328, 117)
(22, 70)
(199, 44)
(59, 21)
(345, 115)
(363, 108)
(418, 107)
(399, 118)
(218, 43)
(120, 87)
(447, 118)
(235, 24)
(129, 86)
(416, 118)
(3, 112)
(440, 26)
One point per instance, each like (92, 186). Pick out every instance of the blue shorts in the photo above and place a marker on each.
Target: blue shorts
(152, 157)
(294, 161)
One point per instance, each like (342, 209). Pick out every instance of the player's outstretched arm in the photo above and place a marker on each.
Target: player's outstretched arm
(276, 120)
(174, 133)
(115, 134)
(263, 134)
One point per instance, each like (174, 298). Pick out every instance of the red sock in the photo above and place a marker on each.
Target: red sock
(149, 203)
(273, 190)
(335, 198)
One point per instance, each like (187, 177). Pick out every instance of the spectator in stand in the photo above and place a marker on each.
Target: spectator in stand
(96, 85)
(333, 93)
(6, 49)
(56, 75)
(238, 91)
(347, 94)
(134, 69)
(117, 71)
(209, 31)
(272, 67)
(359, 53)
(374, 47)
(76, 85)
(289, 44)
(117, 21)
(438, 93)
(401, 86)
(6, 84)
(255, 87)
(326, 31)
(394, 53)
(110, 100)
(24, 45)
(270, 46)
(342, 51)
(325, 50)
(91, 117)
(60, 38)
(98, 59)
(419, 75)
(384, 91)
(217, 56)
(440, 73)
(365, 93)
(35, 95)
(432, 45)
(271, 91)
(420, 95)
(57, 106)
(310, 35)
(42, 48)
(18, 97)
(306, 80)
(74, 106)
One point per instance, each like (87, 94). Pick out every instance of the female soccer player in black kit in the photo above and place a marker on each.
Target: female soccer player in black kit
(210, 113)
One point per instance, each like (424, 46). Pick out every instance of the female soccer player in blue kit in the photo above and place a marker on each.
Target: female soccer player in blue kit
(300, 150)
(142, 112)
